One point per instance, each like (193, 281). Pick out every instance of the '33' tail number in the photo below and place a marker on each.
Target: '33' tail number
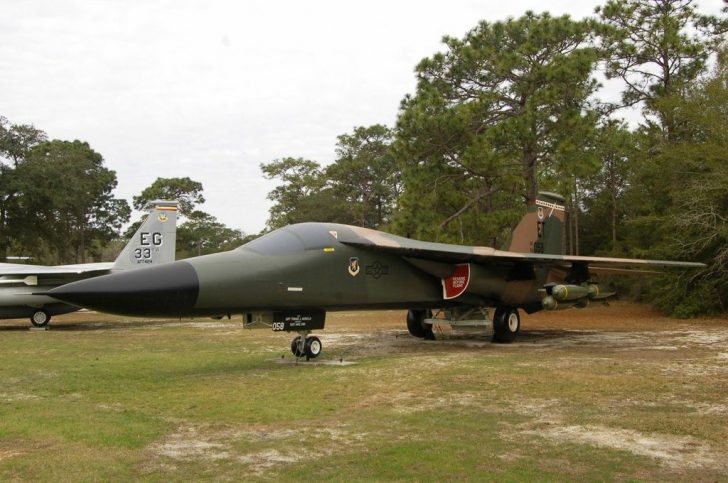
(147, 240)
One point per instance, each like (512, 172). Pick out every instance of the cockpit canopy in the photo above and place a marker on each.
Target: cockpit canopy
(294, 238)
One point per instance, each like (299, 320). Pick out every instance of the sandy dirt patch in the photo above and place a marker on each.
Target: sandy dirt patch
(673, 451)
(197, 443)
(7, 454)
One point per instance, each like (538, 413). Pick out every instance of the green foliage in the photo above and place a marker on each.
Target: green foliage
(680, 196)
(301, 179)
(658, 47)
(66, 199)
(685, 297)
(360, 187)
(15, 142)
(506, 105)
(187, 192)
(56, 201)
(364, 179)
(604, 208)
(202, 234)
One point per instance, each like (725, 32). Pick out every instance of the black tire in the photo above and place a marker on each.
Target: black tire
(40, 318)
(506, 324)
(295, 346)
(313, 347)
(417, 327)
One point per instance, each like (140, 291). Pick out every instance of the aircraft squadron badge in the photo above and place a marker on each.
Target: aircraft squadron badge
(354, 266)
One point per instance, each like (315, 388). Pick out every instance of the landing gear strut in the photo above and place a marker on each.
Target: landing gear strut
(303, 345)
(40, 318)
(416, 324)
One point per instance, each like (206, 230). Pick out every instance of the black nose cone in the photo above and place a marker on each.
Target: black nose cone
(166, 290)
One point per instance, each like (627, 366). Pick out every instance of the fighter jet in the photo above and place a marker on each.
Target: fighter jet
(23, 287)
(289, 278)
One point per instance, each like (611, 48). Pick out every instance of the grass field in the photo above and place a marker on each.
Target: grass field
(615, 393)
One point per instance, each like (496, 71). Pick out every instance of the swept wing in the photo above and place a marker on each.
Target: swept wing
(447, 253)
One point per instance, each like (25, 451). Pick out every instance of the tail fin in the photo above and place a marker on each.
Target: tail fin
(541, 229)
(154, 241)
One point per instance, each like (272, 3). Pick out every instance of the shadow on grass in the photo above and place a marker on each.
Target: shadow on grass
(524, 336)
(552, 334)
(104, 325)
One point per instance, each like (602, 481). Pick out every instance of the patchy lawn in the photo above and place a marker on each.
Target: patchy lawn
(600, 394)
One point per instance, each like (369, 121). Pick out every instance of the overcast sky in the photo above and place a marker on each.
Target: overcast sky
(211, 89)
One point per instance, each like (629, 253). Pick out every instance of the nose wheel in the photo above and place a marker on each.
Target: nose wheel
(307, 346)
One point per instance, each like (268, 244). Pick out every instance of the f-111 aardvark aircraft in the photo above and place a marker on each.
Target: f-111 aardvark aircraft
(289, 278)
(22, 287)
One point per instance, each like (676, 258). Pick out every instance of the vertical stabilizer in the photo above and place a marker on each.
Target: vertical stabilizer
(541, 229)
(154, 241)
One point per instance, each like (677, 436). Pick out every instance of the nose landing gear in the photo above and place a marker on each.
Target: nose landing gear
(305, 345)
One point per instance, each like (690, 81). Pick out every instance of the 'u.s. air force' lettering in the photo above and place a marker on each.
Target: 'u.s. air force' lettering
(148, 241)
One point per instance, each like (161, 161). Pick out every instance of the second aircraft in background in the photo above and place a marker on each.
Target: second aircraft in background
(20, 285)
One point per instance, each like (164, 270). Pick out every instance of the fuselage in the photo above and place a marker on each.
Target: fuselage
(299, 267)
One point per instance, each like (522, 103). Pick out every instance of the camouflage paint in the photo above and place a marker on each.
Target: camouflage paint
(326, 266)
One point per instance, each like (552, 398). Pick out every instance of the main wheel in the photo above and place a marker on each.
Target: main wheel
(40, 318)
(506, 324)
(313, 347)
(295, 346)
(416, 325)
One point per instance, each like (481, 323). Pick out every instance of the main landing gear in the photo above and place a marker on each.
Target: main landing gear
(416, 324)
(506, 322)
(40, 318)
(305, 345)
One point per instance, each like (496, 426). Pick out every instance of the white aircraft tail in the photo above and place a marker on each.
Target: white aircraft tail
(154, 241)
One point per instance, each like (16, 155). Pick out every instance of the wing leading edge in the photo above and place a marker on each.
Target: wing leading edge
(443, 252)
